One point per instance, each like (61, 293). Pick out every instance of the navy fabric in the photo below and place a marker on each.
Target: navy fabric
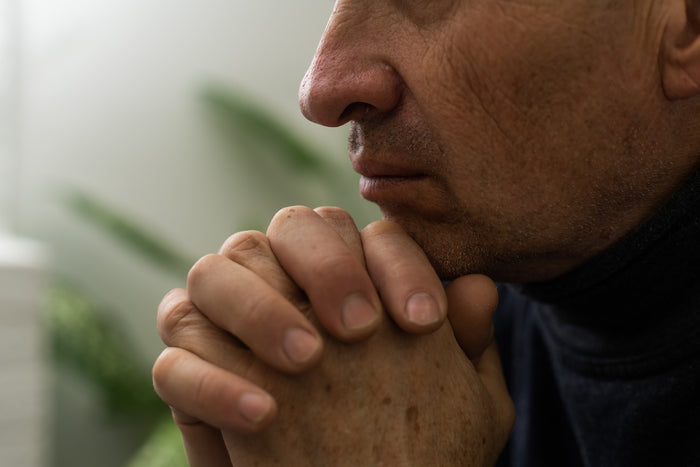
(603, 364)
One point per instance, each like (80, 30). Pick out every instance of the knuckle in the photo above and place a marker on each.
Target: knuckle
(245, 243)
(260, 311)
(161, 370)
(381, 227)
(201, 269)
(290, 212)
(173, 317)
(337, 265)
(333, 212)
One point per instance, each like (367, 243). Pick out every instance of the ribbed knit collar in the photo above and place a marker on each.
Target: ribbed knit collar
(645, 287)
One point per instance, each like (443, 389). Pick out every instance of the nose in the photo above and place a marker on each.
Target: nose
(348, 78)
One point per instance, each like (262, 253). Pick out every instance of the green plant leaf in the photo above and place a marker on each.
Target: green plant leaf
(95, 345)
(163, 448)
(128, 232)
(265, 127)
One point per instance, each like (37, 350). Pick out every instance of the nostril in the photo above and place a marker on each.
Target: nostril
(354, 111)
(347, 112)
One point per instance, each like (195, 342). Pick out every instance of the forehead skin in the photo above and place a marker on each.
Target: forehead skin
(542, 125)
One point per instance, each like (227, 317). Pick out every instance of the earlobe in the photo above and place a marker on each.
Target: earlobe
(680, 55)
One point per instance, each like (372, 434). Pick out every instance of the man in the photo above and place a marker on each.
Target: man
(546, 143)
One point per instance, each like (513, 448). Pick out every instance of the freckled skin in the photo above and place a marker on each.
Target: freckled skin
(542, 125)
(532, 134)
(365, 401)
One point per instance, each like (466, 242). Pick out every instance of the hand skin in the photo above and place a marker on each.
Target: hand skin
(205, 374)
(394, 399)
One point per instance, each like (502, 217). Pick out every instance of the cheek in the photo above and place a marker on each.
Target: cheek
(517, 106)
(470, 93)
(535, 124)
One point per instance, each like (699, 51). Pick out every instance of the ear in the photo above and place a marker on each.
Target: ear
(680, 54)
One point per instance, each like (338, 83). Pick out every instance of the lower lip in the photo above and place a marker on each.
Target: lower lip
(395, 189)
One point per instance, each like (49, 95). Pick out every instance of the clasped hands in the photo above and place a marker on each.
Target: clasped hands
(317, 344)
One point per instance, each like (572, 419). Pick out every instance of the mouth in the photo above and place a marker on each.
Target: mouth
(391, 188)
(386, 182)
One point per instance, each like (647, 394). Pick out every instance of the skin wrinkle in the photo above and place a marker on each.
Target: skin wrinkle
(440, 11)
(553, 19)
(500, 95)
(454, 60)
(492, 115)
(492, 93)
(542, 134)
(353, 19)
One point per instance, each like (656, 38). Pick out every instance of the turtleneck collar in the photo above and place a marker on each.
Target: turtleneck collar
(645, 285)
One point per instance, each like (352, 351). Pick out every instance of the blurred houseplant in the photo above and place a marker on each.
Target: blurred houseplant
(94, 343)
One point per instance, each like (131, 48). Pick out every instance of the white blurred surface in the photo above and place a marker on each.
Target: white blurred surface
(110, 106)
(107, 101)
(23, 393)
(9, 109)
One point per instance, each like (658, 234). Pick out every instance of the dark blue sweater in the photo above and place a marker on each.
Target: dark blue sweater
(603, 364)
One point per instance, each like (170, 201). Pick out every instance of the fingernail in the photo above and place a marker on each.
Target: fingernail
(422, 309)
(254, 407)
(358, 313)
(300, 345)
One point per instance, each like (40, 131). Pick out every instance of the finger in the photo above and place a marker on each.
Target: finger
(204, 444)
(472, 300)
(317, 258)
(208, 393)
(181, 324)
(241, 302)
(407, 283)
(344, 226)
(251, 249)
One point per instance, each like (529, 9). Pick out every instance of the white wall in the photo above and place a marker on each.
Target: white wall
(110, 105)
(23, 395)
(23, 376)
(9, 108)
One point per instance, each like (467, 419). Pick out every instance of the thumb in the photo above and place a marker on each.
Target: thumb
(471, 301)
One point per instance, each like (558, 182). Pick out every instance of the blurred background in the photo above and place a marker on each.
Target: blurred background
(135, 136)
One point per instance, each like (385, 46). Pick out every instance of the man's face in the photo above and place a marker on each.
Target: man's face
(515, 138)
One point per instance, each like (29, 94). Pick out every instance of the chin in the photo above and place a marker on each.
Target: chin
(449, 246)
(451, 261)
(457, 248)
